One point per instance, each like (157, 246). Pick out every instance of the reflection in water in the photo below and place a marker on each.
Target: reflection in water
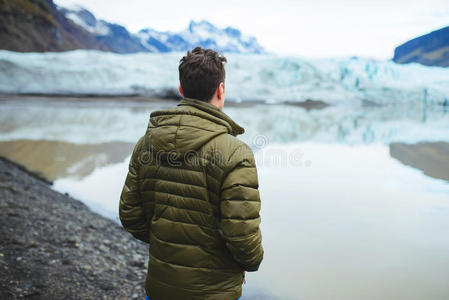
(55, 159)
(337, 124)
(98, 122)
(431, 158)
(353, 224)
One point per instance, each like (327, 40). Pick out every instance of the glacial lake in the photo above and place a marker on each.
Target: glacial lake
(355, 200)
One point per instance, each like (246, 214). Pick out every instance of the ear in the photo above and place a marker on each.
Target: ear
(220, 91)
(180, 90)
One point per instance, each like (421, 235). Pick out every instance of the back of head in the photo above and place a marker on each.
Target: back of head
(200, 73)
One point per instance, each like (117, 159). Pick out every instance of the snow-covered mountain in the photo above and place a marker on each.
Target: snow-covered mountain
(86, 19)
(116, 37)
(203, 33)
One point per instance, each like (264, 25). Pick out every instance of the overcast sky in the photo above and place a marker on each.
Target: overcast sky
(312, 28)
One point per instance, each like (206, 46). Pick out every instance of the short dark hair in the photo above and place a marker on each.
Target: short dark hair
(200, 73)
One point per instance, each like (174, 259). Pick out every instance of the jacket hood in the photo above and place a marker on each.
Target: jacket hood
(187, 127)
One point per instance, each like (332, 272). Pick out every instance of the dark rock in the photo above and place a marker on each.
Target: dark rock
(54, 247)
(37, 25)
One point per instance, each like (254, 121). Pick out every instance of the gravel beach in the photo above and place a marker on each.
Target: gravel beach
(53, 247)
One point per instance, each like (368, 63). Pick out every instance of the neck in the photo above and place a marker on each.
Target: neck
(215, 102)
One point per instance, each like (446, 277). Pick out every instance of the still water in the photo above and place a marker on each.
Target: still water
(355, 201)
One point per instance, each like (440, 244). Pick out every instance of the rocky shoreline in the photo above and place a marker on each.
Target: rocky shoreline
(53, 247)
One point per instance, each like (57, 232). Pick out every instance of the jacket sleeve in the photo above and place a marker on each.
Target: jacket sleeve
(131, 210)
(239, 208)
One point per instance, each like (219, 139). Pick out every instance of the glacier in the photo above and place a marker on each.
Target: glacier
(264, 77)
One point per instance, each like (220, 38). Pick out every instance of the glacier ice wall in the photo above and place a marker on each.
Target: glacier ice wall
(249, 77)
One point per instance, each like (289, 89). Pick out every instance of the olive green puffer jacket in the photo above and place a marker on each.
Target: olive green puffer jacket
(192, 193)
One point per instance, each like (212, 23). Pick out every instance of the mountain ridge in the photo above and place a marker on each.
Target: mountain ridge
(201, 33)
(38, 26)
(431, 49)
(41, 26)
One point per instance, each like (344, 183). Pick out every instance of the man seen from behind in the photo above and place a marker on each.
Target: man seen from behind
(192, 192)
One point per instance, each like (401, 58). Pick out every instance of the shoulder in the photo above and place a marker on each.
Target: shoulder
(140, 143)
(231, 150)
(139, 148)
(228, 143)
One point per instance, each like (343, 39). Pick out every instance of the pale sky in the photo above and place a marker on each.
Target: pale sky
(311, 28)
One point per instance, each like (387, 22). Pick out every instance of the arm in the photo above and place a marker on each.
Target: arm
(131, 209)
(240, 207)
